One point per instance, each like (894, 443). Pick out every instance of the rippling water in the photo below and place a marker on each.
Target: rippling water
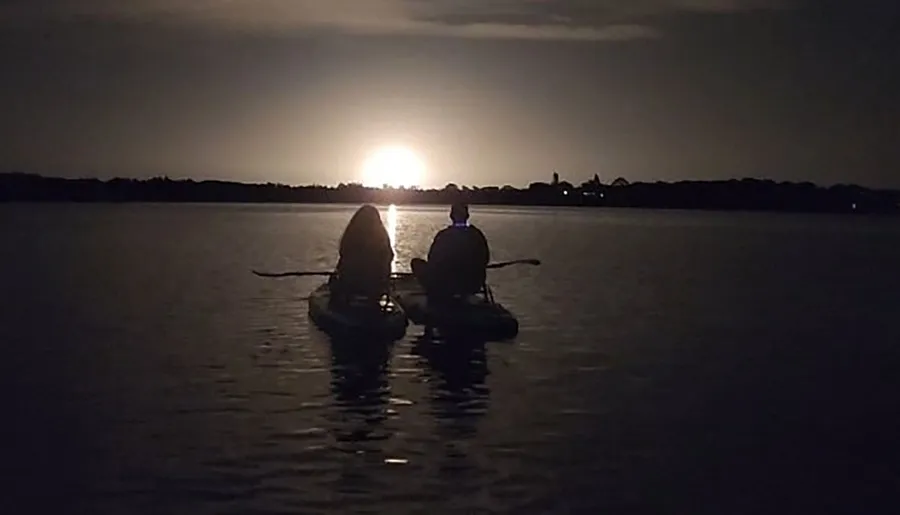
(666, 362)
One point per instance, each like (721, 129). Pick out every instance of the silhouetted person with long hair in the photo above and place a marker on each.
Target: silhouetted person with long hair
(457, 260)
(364, 266)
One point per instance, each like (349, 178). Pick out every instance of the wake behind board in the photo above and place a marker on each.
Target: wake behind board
(357, 317)
(473, 315)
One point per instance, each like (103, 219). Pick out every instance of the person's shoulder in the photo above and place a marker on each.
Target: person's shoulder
(443, 232)
(476, 230)
(442, 236)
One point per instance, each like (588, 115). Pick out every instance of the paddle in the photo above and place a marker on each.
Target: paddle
(492, 266)
(503, 264)
(293, 274)
(312, 274)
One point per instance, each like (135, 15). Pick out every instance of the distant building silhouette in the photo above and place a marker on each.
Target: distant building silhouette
(620, 182)
(555, 181)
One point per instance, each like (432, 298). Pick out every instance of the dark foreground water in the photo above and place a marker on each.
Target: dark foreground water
(668, 362)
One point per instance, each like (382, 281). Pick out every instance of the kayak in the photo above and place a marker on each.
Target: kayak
(360, 317)
(476, 316)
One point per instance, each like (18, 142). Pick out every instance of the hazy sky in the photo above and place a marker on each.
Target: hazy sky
(487, 91)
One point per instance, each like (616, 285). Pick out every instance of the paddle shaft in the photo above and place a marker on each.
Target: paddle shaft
(294, 274)
(491, 266)
(504, 264)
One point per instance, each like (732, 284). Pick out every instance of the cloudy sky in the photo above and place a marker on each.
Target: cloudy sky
(487, 91)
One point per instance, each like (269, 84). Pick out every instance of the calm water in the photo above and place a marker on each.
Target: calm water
(667, 362)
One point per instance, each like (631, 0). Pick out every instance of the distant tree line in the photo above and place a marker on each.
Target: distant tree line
(744, 194)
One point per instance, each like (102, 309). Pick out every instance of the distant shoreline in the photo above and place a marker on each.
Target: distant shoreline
(730, 195)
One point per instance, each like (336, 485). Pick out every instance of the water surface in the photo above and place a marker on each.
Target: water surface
(667, 362)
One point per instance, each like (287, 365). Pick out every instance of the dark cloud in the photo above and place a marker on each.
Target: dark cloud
(502, 19)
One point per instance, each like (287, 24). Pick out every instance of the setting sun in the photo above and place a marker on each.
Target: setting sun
(394, 167)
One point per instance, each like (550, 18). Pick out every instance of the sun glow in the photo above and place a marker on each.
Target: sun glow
(394, 167)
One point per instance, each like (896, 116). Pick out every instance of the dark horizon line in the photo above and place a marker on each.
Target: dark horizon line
(728, 195)
(354, 184)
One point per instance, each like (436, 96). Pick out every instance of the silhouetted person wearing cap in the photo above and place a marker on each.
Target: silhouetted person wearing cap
(457, 260)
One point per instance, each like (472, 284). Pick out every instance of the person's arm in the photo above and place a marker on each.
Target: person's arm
(388, 249)
(387, 262)
(485, 248)
(339, 264)
(435, 249)
(390, 258)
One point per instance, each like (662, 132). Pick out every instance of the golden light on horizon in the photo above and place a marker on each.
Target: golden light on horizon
(393, 166)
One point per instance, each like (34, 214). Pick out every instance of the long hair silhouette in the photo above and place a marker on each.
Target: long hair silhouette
(365, 230)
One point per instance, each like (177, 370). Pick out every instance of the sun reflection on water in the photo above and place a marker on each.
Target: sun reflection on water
(392, 233)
